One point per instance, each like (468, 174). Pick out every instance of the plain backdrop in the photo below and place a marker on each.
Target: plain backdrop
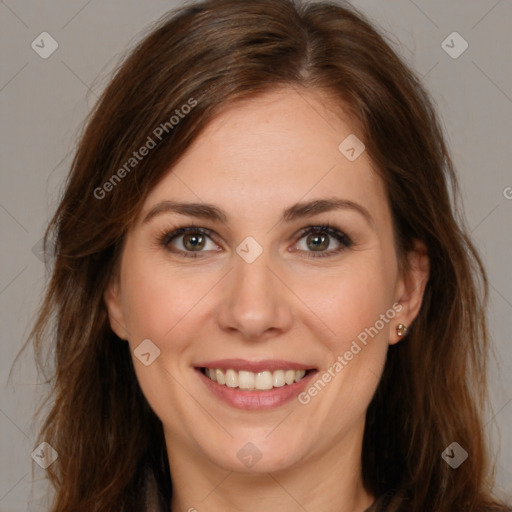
(43, 102)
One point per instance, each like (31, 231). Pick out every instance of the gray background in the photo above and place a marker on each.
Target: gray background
(44, 101)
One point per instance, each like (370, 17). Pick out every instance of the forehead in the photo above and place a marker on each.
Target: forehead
(278, 148)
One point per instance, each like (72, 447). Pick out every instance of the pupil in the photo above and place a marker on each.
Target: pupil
(193, 242)
(319, 242)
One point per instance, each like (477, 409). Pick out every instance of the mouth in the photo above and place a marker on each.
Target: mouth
(245, 380)
(254, 385)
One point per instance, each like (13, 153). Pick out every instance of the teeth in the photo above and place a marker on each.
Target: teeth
(246, 380)
(289, 376)
(254, 381)
(299, 374)
(220, 377)
(263, 380)
(231, 379)
(278, 380)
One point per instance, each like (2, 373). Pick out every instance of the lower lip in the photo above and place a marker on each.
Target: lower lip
(256, 400)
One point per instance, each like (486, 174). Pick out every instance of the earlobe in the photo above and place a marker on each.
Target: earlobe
(410, 289)
(112, 298)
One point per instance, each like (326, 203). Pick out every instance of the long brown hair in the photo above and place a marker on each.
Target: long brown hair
(112, 455)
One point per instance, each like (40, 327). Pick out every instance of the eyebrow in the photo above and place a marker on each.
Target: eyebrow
(295, 212)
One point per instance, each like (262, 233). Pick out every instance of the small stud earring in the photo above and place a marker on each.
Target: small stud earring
(401, 330)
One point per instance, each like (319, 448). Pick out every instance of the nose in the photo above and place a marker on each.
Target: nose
(255, 303)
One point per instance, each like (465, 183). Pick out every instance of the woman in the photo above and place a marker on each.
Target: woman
(263, 295)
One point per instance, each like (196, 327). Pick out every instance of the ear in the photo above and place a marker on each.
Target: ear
(411, 287)
(112, 298)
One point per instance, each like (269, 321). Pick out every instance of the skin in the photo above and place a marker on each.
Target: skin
(253, 160)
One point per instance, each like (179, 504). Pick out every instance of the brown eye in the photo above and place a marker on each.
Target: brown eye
(189, 241)
(193, 241)
(317, 242)
(323, 240)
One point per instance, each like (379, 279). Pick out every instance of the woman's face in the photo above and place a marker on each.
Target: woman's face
(253, 298)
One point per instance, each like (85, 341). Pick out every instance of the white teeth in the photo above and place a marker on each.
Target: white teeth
(231, 379)
(220, 377)
(262, 381)
(289, 376)
(299, 374)
(246, 380)
(278, 378)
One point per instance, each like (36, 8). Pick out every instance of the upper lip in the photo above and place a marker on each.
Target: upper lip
(254, 366)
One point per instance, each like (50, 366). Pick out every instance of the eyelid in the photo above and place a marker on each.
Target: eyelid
(167, 235)
(325, 228)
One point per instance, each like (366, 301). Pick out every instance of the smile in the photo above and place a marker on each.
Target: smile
(252, 381)
(254, 385)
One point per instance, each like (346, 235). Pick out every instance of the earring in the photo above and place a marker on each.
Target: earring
(401, 330)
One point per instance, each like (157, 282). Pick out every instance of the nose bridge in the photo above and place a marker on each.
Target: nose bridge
(253, 301)
(253, 280)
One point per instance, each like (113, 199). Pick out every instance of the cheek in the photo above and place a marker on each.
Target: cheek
(157, 300)
(358, 313)
(351, 302)
(160, 304)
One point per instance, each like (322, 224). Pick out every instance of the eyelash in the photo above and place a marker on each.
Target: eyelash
(166, 237)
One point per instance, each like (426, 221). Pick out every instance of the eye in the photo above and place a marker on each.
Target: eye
(318, 239)
(189, 241)
(314, 241)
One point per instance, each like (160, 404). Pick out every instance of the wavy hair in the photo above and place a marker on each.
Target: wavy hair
(112, 454)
